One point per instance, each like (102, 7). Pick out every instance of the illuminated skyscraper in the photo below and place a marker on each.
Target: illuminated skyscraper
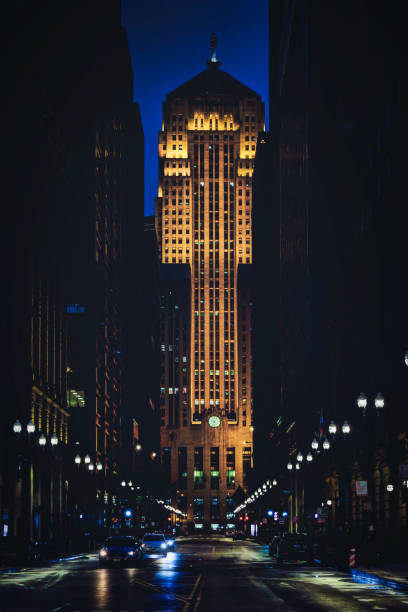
(203, 219)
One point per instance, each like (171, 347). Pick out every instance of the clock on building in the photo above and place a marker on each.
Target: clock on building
(214, 421)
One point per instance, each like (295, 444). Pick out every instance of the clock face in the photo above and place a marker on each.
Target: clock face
(214, 421)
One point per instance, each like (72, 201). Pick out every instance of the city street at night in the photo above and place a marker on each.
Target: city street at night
(204, 364)
(213, 573)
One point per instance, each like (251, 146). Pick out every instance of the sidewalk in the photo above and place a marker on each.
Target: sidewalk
(393, 575)
(5, 569)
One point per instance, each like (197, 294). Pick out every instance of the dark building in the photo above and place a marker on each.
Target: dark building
(142, 352)
(335, 200)
(75, 182)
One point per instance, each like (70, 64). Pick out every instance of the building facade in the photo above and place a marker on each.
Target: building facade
(328, 250)
(76, 193)
(203, 220)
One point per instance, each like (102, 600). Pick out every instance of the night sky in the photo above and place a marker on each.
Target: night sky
(169, 44)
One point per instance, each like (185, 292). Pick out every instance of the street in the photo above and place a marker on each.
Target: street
(213, 573)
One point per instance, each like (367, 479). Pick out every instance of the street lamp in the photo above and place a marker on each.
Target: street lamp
(299, 457)
(406, 358)
(379, 402)
(309, 457)
(326, 444)
(87, 459)
(329, 502)
(42, 440)
(91, 467)
(274, 482)
(17, 427)
(54, 440)
(345, 428)
(138, 447)
(130, 483)
(123, 483)
(297, 466)
(30, 427)
(289, 466)
(362, 403)
(390, 488)
(77, 459)
(332, 428)
(153, 455)
(315, 444)
(99, 466)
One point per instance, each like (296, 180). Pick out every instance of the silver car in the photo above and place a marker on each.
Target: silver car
(154, 545)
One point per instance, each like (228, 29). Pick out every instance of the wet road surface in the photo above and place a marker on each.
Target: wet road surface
(203, 574)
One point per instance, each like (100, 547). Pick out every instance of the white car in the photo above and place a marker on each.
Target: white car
(154, 545)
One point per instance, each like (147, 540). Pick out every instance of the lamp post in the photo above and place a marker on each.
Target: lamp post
(362, 403)
(368, 440)
(22, 519)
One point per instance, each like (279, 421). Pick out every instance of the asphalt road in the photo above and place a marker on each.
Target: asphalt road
(204, 574)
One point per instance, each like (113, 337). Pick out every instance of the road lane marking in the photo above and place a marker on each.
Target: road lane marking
(190, 597)
(365, 599)
(198, 600)
(154, 587)
(61, 607)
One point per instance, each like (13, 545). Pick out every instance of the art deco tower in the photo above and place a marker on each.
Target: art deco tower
(203, 222)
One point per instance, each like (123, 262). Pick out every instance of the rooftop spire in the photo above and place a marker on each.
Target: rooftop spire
(213, 63)
(213, 43)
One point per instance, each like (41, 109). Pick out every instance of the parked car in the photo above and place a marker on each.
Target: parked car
(293, 546)
(273, 545)
(120, 549)
(154, 545)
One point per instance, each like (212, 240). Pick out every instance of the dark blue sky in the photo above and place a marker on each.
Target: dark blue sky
(169, 44)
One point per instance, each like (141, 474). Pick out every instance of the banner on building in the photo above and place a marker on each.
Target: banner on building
(361, 487)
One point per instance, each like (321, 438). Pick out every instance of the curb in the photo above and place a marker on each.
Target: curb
(376, 579)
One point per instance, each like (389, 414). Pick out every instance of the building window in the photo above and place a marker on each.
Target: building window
(198, 508)
(198, 468)
(215, 467)
(246, 464)
(231, 468)
(182, 467)
(230, 505)
(215, 508)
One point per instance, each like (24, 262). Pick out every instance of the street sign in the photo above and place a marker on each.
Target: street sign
(361, 487)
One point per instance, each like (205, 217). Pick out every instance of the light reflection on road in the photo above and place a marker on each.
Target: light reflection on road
(103, 579)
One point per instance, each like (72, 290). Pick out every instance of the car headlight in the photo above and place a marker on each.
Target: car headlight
(103, 552)
(163, 545)
(170, 542)
(131, 553)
